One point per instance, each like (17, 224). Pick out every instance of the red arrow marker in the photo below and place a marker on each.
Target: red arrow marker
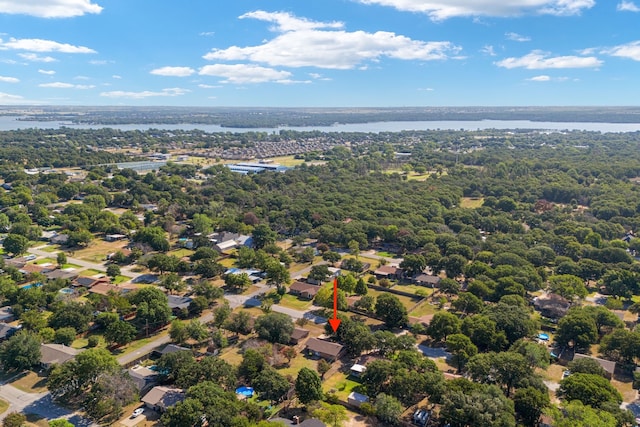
(335, 322)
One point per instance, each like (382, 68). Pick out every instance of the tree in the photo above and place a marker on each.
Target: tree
(413, 264)
(152, 307)
(347, 283)
(120, 332)
(442, 325)
(14, 419)
(483, 406)
(354, 248)
(576, 414)
(391, 311)
(331, 257)
(323, 367)
(197, 331)
(319, 273)
(221, 314)
(568, 286)
(603, 317)
(577, 328)
(332, 415)
(388, 409)
(529, 404)
(263, 235)
(586, 366)
(277, 274)
(271, 385)
(178, 331)
(621, 345)
(208, 267)
(592, 390)
(202, 224)
(189, 412)
(505, 368)
(361, 287)
(172, 283)
(252, 364)
(453, 265)
(462, 349)
(514, 320)
(536, 355)
(113, 270)
(239, 323)
(274, 327)
(308, 386)
(65, 336)
(237, 281)
(15, 244)
(61, 259)
(72, 314)
(468, 303)
(449, 286)
(21, 351)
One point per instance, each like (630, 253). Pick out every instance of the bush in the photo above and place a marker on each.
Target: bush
(93, 341)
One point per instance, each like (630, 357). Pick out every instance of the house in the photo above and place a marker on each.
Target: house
(357, 399)
(607, 365)
(103, 288)
(6, 331)
(160, 398)
(61, 274)
(357, 370)
(59, 239)
(114, 237)
(427, 280)
(172, 348)
(6, 314)
(143, 378)
(304, 290)
(56, 354)
(89, 282)
(324, 349)
(552, 306)
(388, 272)
(33, 268)
(178, 303)
(298, 335)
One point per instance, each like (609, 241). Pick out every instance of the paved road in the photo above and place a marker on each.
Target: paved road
(39, 404)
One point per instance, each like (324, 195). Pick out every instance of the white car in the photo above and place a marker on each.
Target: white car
(137, 412)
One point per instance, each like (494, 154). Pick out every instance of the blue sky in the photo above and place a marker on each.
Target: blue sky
(320, 52)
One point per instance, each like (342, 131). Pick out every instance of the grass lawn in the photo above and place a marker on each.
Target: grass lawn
(291, 301)
(120, 279)
(231, 355)
(424, 309)
(98, 250)
(83, 342)
(69, 265)
(46, 261)
(50, 248)
(31, 383)
(386, 254)
(288, 161)
(552, 373)
(340, 384)
(298, 363)
(415, 289)
(91, 272)
(228, 262)
(625, 389)
(471, 202)
(4, 405)
(408, 302)
(181, 253)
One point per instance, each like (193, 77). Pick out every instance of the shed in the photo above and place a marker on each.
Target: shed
(297, 335)
(357, 370)
(357, 399)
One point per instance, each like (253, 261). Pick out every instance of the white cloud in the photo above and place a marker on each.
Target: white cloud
(207, 33)
(36, 58)
(100, 62)
(115, 76)
(439, 10)
(318, 76)
(81, 78)
(538, 60)
(629, 50)
(6, 98)
(488, 50)
(304, 43)
(627, 6)
(144, 94)
(426, 89)
(517, 37)
(9, 79)
(542, 78)
(203, 86)
(49, 8)
(173, 71)
(47, 72)
(61, 85)
(245, 73)
(41, 45)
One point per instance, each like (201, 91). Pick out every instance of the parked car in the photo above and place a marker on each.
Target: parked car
(137, 412)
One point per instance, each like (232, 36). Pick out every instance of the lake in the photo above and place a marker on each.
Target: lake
(11, 123)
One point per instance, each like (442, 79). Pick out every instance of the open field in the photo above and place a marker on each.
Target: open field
(408, 302)
(424, 309)
(340, 384)
(291, 301)
(471, 202)
(98, 250)
(181, 253)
